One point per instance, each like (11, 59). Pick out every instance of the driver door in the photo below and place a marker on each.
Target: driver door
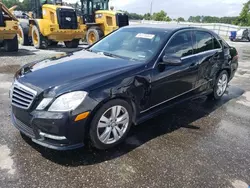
(171, 82)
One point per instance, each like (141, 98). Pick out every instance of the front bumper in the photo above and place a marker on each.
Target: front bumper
(52, 130)
(66, 35)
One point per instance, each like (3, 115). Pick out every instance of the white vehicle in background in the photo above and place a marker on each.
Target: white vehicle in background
(240, 35)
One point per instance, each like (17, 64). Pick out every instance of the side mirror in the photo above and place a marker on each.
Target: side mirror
(171, 60)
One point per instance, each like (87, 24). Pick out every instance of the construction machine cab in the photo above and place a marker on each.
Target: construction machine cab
(101, 21)
(89, 8)
(51, 23)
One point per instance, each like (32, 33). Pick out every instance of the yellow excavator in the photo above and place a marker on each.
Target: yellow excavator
(8, 29)
(99, 20)
(50, 23)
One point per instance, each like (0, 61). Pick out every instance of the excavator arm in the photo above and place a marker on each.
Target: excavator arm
(7, 11)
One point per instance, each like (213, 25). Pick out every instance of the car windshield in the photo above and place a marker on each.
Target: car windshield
(132, 43)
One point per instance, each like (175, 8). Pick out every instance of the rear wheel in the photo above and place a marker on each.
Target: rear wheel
(23, 38)
(38, 40)
(220, 85)
(94, 34)
(72, 44)
(110, 124)
(11, 45)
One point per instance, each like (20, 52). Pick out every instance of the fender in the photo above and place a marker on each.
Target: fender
(135, 90)
(42, 24)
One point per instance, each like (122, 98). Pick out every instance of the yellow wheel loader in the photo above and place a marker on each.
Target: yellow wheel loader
(49, 24)
(99, 20)
(8, 30)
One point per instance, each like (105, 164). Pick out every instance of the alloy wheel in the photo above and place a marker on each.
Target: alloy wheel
(113, 124)
(222, 84)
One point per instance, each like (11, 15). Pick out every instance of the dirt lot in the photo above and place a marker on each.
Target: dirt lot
(196, 144)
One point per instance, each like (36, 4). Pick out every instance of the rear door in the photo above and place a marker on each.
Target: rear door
(209, 56)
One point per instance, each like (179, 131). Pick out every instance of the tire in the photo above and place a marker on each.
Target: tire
(72, 44)
(38, 40)
(22, 37)
(215, 95)
(97, 133)
(11, 45)
(94, 34)
(53, 43)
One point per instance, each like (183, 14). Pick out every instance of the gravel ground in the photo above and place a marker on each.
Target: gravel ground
(196, 144)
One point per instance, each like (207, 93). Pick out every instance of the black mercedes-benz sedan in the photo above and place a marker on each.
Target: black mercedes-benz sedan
(127, 77)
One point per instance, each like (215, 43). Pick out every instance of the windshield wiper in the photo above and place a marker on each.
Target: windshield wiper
(89, 50)
(112, 55)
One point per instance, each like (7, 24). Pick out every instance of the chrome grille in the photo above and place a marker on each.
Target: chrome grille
(22, 96)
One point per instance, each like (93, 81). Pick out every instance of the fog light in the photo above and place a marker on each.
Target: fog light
(53, 137)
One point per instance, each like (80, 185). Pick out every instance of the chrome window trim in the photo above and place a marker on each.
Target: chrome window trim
(193, 55)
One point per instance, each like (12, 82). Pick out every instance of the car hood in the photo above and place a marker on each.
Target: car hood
(82, 67)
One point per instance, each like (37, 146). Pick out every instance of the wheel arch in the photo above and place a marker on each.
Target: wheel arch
(224, 69)
(41, 24)
(127, 99)
(104, 101)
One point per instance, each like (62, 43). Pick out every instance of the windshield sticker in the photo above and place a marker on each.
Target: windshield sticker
(145, 36)
(141, 56)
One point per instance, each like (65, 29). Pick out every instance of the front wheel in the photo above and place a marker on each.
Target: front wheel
(220, 85)
(94, 34)
(39, 41)
(111, 124)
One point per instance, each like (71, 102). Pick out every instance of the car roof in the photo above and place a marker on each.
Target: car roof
(165, 27)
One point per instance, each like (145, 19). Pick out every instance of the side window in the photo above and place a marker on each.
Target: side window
(181, 45)
(216, 44)
(204, 41)
(224, 43)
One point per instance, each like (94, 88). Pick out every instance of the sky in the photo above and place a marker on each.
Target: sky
(182, 8)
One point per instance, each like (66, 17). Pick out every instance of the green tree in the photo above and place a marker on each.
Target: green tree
(10, 3)
(147, 16)
(161, 16)
(180, 19)
(24, 6)
(196, 19)
(244, 18)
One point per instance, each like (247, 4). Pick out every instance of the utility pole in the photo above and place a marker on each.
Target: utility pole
(151, 8)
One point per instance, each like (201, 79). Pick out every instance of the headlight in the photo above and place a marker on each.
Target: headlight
(98, 15)
(66, 102)
(44, 103)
